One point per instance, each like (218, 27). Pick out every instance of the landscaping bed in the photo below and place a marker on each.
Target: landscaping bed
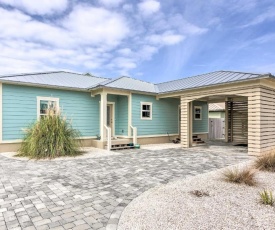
(217, 205)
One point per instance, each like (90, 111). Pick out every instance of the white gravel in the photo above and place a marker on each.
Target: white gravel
(229, 206)
(90, 152)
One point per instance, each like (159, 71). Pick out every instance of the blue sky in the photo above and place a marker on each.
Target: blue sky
(152, 40)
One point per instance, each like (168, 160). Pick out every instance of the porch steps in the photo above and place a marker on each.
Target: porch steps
(119, 144)
(197, 140)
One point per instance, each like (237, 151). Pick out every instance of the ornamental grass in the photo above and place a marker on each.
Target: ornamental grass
(50, 137)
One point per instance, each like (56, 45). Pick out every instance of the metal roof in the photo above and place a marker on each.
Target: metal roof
(216, 107)
(128, 83)
(86, 82)
(56, 79)
(208, 79)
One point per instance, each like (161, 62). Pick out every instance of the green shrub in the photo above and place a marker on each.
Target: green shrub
(266, 162)
(51, 136)
(267, 197)
(240, 176)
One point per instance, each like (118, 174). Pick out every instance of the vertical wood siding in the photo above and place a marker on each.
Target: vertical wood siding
(20, 109)
(164, 117)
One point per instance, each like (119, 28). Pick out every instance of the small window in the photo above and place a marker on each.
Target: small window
(44, 104)
(197, 112)
(146, 110)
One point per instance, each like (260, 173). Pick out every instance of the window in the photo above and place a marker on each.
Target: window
(46, 103)
(146, 110)
(197, 112)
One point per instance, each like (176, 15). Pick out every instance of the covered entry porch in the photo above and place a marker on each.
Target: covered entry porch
(257, 98)
(235, 123)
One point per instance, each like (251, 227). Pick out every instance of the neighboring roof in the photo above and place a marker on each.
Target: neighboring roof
(128, 83)
(86, 82)
(208, 79)
(216, 107)
(56, 79)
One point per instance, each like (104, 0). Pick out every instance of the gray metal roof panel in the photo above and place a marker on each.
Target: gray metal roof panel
(56, 79)
(130, 84)
(214, 78)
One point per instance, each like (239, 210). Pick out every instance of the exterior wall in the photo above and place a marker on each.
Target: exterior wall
(20, 109)
(216, 114)
(165, 115)
(201, 126)
(121, 113)
(261, 119)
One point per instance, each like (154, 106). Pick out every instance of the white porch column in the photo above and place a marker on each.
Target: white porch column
(129, 114)
(103, 115)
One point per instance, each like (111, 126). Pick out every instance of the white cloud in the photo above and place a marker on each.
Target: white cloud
(265, 16)
(148, 7)
(111, 3)
(90, 38)
(39, 7)
(125, 51)
(167, 38)
(96, 26)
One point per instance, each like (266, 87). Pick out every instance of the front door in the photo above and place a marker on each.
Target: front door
(110, 117)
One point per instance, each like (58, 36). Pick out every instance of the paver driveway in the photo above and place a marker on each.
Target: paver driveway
(91, 193)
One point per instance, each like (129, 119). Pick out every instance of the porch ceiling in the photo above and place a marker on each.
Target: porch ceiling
(222, 98)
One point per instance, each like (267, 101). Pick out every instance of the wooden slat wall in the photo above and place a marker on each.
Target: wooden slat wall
(216, 128)
(238, 122)
(261, 114)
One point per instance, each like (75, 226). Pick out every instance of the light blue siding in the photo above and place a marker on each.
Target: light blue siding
(201, 126)
(20, 109)
(121, 113)
(165, 116)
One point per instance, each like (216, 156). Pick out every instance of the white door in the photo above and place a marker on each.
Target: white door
(110, 117)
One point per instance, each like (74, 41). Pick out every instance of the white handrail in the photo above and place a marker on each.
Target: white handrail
(134, 134)
(109, 138)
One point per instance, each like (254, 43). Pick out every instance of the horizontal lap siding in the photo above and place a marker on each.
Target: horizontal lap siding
(201, 126)
(164, 118)
(20, 109)
(122, 121)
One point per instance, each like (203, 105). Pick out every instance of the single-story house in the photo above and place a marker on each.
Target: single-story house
(216, 110)
(108, 112)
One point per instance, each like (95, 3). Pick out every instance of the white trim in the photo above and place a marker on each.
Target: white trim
(151, 110)
(56, 99)
(201, 133)
(12, 142)
(161, 135)
(129, 113)
(197, 107)
(113, 104)
(1, 112)
(20, 140)
(103, 114)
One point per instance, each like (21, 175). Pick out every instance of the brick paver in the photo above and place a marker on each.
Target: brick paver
(91, 193)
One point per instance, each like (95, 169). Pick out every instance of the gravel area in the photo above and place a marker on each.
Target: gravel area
(89, 152)
(228, 206)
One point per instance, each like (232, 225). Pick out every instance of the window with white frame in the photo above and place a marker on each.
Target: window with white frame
(197, 112)
(146, 110)
(44, 104)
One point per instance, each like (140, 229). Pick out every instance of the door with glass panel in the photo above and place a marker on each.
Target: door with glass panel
(110, 117)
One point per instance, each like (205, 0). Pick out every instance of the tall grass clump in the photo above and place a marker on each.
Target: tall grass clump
(267, 198)
(266, 162)
(240, 176)
(50, 137)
